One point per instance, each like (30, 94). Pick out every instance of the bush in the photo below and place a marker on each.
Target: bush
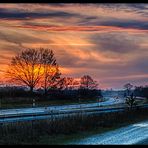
(141, 91)
(20, 95)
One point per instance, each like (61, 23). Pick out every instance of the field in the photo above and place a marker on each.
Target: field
(66, 129)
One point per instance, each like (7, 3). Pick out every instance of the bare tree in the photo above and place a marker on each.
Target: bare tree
(34, 66)
(60, 83)
(88, 83)
(67, 83)
(130, 101)
(25, 68)
(50, 68)
(128, 88)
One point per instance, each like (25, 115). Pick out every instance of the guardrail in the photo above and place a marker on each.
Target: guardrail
(58, 114)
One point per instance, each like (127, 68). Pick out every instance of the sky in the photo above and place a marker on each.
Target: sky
(109, 42)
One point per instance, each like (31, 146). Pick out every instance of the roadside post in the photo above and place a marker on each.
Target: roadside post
(79, 96)
(33, 103)
(98, 101)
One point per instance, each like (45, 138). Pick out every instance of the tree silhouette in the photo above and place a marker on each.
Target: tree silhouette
(128, 87)
(69, 83)
(25, 68)
(88, 83)
(51, 71)
(34, 66)
(130, 101)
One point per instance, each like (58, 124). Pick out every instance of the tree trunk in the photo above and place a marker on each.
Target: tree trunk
(45, 81)
(31, 89)
(45, 91)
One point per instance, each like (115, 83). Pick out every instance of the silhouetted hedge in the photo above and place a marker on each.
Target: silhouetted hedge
(141, 91)
(16, 94)
(74, 94)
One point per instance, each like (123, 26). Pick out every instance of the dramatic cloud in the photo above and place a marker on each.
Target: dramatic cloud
(106, 41)
(116, 42)
(127, 24)
(13, 14)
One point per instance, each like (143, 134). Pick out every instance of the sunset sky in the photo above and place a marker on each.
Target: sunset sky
(106, 41)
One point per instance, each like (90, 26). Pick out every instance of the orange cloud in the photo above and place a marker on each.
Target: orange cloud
(76, 41)
(79, 28)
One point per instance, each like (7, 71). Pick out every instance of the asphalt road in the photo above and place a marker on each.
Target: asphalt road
(38, 113)
(38, 110)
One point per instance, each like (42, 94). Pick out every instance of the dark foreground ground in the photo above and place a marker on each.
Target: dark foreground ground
(65, 130)
(143, 142)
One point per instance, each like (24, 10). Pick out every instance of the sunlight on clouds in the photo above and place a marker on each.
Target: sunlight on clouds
(109, 43)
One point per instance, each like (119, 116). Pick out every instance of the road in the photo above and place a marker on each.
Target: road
(133, 134)
(38, 110)
(38, 113)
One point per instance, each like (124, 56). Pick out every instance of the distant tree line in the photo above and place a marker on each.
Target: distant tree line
(141, 91)
(131, 94)
(128, 88)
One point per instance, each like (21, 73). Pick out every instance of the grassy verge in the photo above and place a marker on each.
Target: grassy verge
(16, 104)
(63, 139)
